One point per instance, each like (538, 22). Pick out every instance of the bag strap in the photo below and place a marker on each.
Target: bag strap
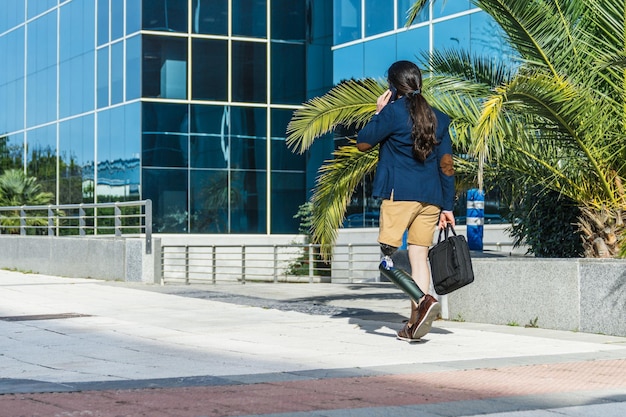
(447, 229)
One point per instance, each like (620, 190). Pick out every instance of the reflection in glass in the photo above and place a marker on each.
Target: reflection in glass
(167, 188)
(346, 63)
(164, 67)
(76, 167)
(133, 16)
(165, 15)
(403, 8)
(12, 151)
(248, 137)
(210, 69)
(210, 201)
(210, 17)
(282, 157)
(249, 18)
(249, 72)
(41, 162)
(118, 154)
(452, 34)
(164, 150)
(288, 193)
(248, 202)
(288, 73)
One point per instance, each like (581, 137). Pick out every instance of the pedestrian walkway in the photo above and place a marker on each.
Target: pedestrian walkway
(82, 347)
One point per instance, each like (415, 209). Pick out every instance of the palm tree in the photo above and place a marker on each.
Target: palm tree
(557, 120)
(17, 189)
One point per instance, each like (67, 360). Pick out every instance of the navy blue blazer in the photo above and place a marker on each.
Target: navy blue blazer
(431, 181)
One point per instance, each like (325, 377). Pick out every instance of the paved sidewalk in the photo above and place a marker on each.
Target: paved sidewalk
(81, 347)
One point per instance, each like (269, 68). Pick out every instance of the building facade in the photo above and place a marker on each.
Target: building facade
(184, 102)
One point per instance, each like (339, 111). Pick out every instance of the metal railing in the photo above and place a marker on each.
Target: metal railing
(117, 219)
(265, 263)
(212, 264)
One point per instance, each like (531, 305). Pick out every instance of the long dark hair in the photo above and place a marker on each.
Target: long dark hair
(406, 77)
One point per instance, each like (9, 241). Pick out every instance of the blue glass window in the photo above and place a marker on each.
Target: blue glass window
(249, 18)
(379, 54)
(249, 71)
(12, 117)
(248, 201)
(165, 15)
(411, 44)
(103, 77)
(288, 194)
(488, 39)
(13, 14)
(133, 16)
(36, 7)
(165, 150)
(167, 188)
(452, 34)
(210, 17)
(210, 148)
(42, 43)
(117, 19)
(41, 156)
(209, 69)
(348, 63)
(288, 19)
(248, 130)
(164, 67)
(117, 72)
(165, 118)
(76, 87)
(41, 96)
(12, 151)
(76, 160)
(446, 8)
(76, 27)
(103, 21)
(118, 155)
(347, 20)
(379, 16)
(209, 201)
(403, 8)
(288, 73)
(133, 67)
(282, 157)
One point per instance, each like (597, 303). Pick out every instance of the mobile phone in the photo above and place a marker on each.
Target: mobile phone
(394, 93)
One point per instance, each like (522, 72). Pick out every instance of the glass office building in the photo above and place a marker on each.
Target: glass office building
(184, 102)
(369, 35)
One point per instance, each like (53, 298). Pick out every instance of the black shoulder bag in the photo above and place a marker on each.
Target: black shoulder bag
(450, 262)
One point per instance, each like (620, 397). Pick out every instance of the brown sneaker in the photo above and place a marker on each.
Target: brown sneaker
(427, 312)
(406, 333)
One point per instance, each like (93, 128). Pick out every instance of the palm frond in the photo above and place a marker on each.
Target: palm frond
(350, 103)
(337, 180)
(476, 69)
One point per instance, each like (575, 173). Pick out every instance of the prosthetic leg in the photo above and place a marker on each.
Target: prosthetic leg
(399, 277)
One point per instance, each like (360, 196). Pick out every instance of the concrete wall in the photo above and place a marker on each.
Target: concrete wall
(587, 295)
(87, 257)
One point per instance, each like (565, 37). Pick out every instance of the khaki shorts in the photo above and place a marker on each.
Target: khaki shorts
(396, 217)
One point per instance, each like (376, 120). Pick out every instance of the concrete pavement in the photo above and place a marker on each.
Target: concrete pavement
(82, 347)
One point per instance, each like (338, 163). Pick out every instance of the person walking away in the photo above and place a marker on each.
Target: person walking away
(415, 179)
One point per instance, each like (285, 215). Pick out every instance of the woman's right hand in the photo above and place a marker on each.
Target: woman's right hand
(383, 100)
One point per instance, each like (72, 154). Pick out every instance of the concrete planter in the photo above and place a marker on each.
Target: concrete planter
(586, 295)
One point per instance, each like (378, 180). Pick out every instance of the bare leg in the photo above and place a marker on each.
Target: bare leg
(420, 272)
